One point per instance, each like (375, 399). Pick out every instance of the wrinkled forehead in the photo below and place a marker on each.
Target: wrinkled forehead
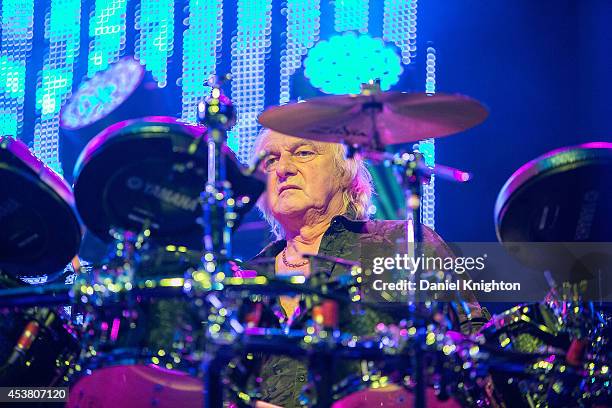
(274, 141)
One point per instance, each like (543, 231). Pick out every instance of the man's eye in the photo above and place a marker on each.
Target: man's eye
(269, 161)
(304, 153)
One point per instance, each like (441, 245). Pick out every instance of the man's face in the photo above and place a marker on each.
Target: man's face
(301, 175)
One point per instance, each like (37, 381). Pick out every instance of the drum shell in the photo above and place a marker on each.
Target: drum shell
(36, 209)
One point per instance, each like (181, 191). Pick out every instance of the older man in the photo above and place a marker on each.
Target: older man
(317, 202)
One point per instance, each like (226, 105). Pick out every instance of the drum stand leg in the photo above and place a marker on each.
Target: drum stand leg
(212, 367)
(213, 389)
(419, 378)
(323, 367)
(412, 180)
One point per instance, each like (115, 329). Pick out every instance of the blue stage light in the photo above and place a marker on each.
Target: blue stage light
(102, 94)
(351, 15)
(428, 147)
(154, 45)
(16, 27)
(400, 26)
(200, 44)
(430, 71)
(341, 64)
(107, 28)
(250, 46)
(63, 26)
(303, 27)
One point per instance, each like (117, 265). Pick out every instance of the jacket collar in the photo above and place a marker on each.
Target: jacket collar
(340, 223)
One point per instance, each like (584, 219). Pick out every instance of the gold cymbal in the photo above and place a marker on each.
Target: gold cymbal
(376, 120)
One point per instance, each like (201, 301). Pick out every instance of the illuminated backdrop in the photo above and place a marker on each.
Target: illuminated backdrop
(541, 68)
(50, 47)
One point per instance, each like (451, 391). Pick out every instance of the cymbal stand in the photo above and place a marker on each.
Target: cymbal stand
(413, 173)
(412, 185)
(217, 113)
(412, 176)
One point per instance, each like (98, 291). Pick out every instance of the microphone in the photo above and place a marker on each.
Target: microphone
(29, 335)
(25, 341)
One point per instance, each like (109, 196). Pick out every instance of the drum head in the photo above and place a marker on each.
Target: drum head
(140, 173)
(564, 196)
(137, 387)
(40, 231)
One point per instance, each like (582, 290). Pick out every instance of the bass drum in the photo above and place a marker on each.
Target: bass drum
(392, 396)
(137, 386)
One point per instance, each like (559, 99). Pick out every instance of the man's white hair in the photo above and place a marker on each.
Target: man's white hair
(356, 182)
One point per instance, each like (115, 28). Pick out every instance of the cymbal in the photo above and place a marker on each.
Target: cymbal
(395, 117)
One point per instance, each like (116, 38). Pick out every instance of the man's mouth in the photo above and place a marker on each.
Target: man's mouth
(288, 187)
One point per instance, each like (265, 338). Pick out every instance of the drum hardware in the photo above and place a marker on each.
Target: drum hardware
(233, 330)
(217, 113)
(318, 339)
(333, 347)
(536, 355)
(237, 328)
(536, 205)
(153, 320)
(550, 353)
(43, 347)
(147, 175)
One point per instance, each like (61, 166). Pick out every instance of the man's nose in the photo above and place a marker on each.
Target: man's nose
(285, 166)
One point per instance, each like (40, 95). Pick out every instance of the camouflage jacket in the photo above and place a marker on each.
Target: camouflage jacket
(283, 378)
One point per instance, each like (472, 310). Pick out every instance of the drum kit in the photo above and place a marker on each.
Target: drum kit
(171, 319)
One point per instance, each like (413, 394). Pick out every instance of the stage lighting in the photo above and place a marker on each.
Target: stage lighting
(342, 63)
(125, 90)
(102, 94)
